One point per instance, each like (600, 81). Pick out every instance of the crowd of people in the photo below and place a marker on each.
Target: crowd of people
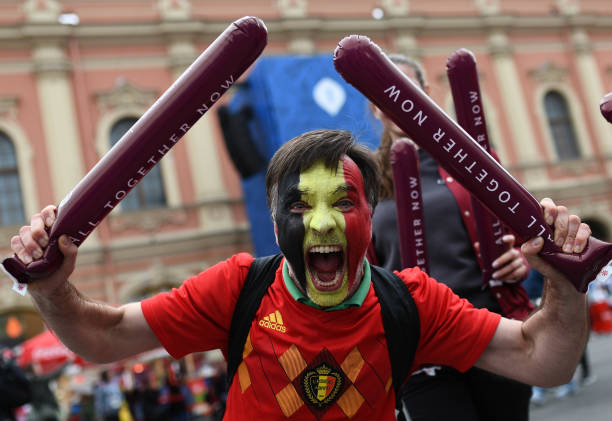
(159, 390)
(315, 331)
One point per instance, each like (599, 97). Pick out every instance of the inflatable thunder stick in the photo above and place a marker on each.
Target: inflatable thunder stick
(363, 64)
(164, 123)
(463, 79)
(605, 107)
(409, 204)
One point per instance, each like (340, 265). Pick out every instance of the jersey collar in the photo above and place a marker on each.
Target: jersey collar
(355, 301)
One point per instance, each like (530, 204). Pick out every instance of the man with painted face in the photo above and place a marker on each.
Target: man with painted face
(316, 348)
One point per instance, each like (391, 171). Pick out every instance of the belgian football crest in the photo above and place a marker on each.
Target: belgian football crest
(321, 383)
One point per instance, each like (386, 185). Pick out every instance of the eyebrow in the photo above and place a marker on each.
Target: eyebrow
(344, 188)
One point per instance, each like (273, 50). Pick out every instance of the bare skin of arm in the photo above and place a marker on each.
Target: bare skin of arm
(545, 349)
(97, 331)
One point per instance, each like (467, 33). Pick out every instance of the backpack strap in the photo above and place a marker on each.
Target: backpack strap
(260, 277)
(400, 319)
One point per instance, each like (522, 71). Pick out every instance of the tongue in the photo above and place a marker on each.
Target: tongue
(326, 262)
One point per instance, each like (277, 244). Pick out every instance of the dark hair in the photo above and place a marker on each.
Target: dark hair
(386, 141)
(303, 151)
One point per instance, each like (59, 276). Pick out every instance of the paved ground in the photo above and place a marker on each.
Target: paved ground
(591, 403)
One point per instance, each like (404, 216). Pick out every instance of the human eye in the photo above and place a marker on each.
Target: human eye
(344, 204)
(298, 207)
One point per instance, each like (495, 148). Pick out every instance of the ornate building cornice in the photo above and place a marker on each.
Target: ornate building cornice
(292, 8)
(396, 7)
(549, 72)
(8, 107)
(175, 10)
(487, 7)
(41, 11)
(295, 20)
(124, 94)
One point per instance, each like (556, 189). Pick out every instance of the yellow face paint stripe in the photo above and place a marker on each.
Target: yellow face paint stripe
(319, 180)
(323, 188)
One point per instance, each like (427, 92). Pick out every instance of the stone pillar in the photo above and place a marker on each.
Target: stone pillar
(57, 109)
(513, 102)
(58, 115)
(591, 84)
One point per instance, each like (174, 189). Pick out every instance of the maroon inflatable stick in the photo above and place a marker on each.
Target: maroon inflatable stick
(409, 203)
(606, 107)
(363, 64)
(160, 128)
(463, 79)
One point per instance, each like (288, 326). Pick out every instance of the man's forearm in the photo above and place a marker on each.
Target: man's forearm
(559, 331)
(83, 325)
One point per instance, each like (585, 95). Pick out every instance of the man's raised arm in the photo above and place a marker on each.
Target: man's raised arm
(544, 350)
(95, 330)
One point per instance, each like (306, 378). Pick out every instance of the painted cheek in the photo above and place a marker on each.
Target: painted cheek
(358, 221)
(290, 229)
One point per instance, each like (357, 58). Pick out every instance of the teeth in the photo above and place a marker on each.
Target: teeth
(325, 249)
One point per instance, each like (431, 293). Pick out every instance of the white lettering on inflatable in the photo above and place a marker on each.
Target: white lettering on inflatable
(438, 135)
(409, 107)
(394, 93)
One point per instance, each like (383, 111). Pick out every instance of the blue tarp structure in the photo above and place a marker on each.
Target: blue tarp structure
(287, 96)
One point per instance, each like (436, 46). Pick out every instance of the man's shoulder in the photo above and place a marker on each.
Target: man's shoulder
(424, 289)
(413, 277)
(240, 262)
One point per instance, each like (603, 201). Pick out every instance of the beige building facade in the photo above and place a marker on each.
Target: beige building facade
(73, 71)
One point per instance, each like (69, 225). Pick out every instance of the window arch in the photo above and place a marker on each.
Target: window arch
(561, 126)
(149, 192)
(11, 205)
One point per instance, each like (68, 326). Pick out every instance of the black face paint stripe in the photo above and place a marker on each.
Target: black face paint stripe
(291, 230)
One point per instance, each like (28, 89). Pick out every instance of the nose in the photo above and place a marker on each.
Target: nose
(322, 221)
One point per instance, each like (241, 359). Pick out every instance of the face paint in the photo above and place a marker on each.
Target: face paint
(324, 227)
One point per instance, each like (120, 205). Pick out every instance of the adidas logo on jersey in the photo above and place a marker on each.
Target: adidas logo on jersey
(273, 321)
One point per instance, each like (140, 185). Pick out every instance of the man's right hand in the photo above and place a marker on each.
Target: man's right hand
(30, 244)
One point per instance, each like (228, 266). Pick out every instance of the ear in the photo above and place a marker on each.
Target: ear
(276, 233)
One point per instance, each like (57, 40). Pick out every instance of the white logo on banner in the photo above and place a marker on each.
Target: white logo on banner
(329, 95)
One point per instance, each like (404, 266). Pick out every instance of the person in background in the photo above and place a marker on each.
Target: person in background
(44, 403)
(174, 398)
(437, 392)
(15, 389)
(144, 401)
(108, 398)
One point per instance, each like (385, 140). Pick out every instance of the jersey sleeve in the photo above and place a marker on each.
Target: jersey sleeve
(453, 332)
(197, 315)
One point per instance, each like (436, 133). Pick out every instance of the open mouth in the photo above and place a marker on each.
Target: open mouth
(326, 266)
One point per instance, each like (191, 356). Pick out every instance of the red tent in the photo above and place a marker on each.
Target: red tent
(46, 352)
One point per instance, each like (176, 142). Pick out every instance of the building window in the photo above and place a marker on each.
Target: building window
(561, 127)
(11, 205)
(149, 192)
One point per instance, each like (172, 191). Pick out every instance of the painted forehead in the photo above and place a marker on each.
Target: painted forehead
(345, 178)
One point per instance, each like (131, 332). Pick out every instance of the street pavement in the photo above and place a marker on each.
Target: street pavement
(589, 403)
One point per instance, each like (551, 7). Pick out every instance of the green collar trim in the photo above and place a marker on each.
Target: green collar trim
(354, 301)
